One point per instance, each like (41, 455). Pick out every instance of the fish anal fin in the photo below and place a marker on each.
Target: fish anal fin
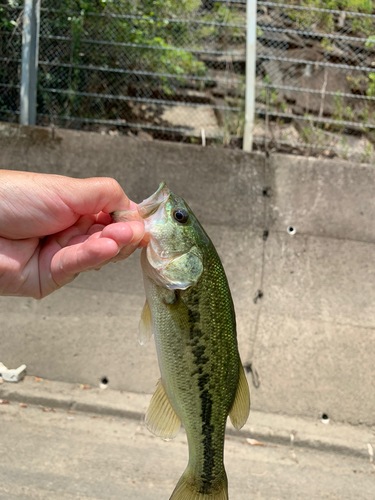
(239, 412)
(145, 325)
(161, 419)
(189, 489)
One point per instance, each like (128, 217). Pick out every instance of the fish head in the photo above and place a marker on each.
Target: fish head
(173, 257)
(171, 226)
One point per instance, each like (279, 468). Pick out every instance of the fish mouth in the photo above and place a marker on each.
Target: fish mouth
(145, 209)
(152, 204)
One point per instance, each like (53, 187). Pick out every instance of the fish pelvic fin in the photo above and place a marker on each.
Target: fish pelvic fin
(161, 419)
(240, 410)
(145, 325)
(190, 489)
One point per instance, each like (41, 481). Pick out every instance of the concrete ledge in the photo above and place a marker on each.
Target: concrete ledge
(261, 427)
(75, 397)
(304, 303)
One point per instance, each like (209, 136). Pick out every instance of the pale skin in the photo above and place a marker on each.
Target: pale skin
(52, 228)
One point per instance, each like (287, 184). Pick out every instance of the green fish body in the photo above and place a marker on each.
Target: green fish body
(189, 310)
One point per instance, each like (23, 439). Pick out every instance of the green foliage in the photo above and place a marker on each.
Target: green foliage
(364, 6)
(363, 84)
(221, 13)
(6, 21)
(268, 94)
(128, 39)
(307, 134)
(283, 107)
(326, 44)
(370, 42)
(367, 154)
(371, 85)
(365, 114)
(324, 21)
(338, 111)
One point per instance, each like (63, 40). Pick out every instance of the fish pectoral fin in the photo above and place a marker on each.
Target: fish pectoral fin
(183, 271)
(145, 325)
(161, 419)
(239, 412)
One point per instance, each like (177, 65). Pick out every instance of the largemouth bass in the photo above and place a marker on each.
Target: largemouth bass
(189, 310)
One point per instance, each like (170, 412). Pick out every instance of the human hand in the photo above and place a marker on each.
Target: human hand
(52, 228)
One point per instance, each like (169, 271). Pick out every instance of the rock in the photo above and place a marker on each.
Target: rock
(273, 71)
(295, 41)
(330, 78)
(357, 149)
(191, 120)
(236, 54)
(285, 133)
(340, 52)
(144, 136)
(230, 84)
(265, 20)
(314, 53)
(268, 36)
(341, 20)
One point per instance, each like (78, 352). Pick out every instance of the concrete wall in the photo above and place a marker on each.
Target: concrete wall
(311, 335)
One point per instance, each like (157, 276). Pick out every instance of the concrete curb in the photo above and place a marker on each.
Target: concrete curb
(261, 428)
(75, 397)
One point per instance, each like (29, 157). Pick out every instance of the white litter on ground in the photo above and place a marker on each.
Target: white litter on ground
(12, 375)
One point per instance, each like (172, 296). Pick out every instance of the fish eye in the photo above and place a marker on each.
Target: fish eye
(180, 215)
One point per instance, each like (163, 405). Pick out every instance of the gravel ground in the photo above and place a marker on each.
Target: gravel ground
(59, 454)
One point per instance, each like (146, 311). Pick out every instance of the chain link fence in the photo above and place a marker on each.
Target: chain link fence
(176, 69)
(316, 79)
(165, 67)
(10, 60)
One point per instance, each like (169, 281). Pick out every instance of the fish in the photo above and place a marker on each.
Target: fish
(190, 312)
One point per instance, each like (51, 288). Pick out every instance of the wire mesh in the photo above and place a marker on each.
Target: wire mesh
(163, 66)
(10, 59)
(316, 77)
(174, 68)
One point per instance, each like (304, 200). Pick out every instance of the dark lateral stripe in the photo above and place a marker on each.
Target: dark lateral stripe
(206, 400)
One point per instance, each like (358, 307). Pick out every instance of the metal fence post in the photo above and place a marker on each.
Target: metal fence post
(29, 65)
(251, 38)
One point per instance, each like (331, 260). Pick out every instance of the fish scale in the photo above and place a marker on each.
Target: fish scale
(199, 363)
(189, 309)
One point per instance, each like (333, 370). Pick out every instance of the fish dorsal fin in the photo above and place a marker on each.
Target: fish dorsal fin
(161, 419)
(239, 412)
(145, 325)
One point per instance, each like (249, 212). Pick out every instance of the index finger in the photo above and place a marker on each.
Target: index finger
(94, 195)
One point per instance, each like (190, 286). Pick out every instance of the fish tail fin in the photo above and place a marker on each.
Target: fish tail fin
(189, 488)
